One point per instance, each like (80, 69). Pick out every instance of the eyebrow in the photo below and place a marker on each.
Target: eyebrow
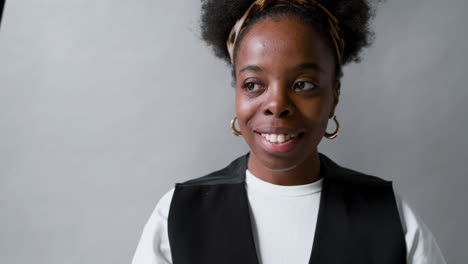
(299, 67)
(251, 68)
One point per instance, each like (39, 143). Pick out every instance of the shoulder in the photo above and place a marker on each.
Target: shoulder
(421, 245)
(338, 173)
(160, 213)
(158, 218)
(162, 207)
(154, 246)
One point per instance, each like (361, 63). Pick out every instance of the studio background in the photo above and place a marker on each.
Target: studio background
(104, 105)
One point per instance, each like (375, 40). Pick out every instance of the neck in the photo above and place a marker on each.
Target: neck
(307, 171)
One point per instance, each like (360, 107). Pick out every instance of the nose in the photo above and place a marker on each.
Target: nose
(278, 102)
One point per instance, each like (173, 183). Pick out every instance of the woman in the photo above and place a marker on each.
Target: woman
(284, 202)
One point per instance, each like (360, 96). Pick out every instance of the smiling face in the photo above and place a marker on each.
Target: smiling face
(286, 90)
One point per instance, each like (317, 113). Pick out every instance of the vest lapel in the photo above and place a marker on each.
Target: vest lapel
(330, 232)
(358, 221)
(210, 223)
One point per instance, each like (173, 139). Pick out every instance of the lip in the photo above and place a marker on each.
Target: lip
(279, 130)
(279, 148)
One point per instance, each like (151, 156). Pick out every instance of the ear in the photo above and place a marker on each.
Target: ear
(336, 95)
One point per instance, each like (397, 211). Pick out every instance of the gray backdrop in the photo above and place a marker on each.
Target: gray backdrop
(104, 105)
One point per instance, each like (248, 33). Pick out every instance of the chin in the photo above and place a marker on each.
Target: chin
(281, 163)
(283, 168)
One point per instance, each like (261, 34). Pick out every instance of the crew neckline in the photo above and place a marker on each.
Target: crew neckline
(256, 184)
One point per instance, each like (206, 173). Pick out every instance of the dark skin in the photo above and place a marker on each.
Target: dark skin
(285, 83)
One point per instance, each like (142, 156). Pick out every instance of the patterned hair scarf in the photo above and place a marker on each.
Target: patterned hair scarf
(260, 5)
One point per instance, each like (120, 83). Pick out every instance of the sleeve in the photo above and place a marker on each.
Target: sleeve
(153, 247)
(421, 246)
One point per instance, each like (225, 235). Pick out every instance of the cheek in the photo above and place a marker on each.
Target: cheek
(315, 109)
(245, 109)
(316, 113)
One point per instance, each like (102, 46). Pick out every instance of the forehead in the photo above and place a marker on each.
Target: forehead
(285, 39)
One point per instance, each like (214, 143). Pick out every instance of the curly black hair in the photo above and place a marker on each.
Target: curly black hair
(219, 16)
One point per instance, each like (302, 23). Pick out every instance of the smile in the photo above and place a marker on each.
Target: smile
(279, 143)
(278, 138)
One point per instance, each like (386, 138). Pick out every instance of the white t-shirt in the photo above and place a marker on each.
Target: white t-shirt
(282, 215)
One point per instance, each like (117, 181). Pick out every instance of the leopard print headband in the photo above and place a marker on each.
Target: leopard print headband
(260, 5)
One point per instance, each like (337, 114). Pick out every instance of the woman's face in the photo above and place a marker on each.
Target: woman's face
(285, 90)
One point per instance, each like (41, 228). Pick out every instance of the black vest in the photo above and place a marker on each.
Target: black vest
(358, 220)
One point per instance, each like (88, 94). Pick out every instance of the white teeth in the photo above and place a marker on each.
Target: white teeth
(278, 138)
(281, 138)
(273, 138)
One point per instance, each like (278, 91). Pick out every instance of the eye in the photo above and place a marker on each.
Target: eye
(304, 86)
(252, 86)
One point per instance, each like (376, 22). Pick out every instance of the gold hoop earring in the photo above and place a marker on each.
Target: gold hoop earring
(334, 134)
(233, 127)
